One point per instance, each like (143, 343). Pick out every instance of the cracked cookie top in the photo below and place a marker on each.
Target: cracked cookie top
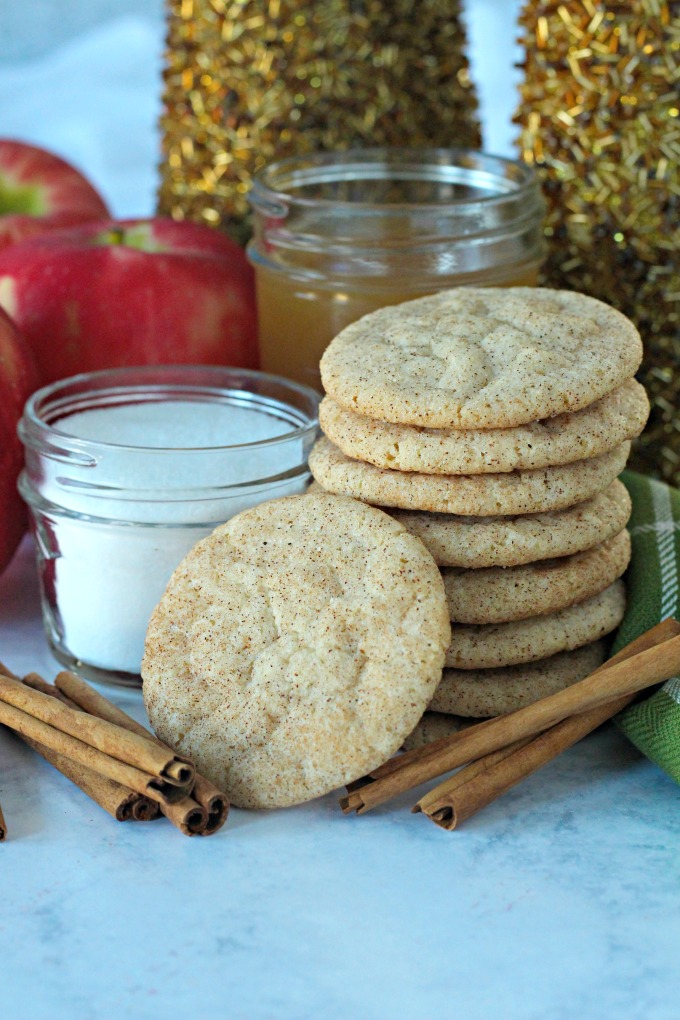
(296, 647)
(481, 358)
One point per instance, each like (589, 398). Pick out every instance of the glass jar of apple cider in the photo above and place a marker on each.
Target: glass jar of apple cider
(337, 235)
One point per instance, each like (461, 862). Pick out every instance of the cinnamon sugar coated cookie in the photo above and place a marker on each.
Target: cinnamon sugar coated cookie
(487, 358)
(295, 648)
(508, 644)
(490, 692)
(611, 420)
(516, 492)
(501, 594)
(472, 542)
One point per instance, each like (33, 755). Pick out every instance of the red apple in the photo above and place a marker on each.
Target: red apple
(41, 192)
(136, 292)
(17, 382)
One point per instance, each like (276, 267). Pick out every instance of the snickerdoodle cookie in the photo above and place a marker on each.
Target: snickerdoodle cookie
(489, 692)
(487, 358)
(515, 492)
(296, 647)
(508, 644)
(614, 418)
(501, 594)
(458, 541)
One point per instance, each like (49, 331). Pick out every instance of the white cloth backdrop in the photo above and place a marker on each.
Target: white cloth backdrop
(95, 98)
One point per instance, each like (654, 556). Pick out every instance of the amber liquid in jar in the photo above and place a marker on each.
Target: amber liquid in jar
(315, 315)
(339, 235)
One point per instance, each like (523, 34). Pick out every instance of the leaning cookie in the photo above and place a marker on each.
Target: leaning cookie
(501, 594)
(616, 417)
(295, 648)
(477, 542)
(516, 492)
(486, 358)
(507, 644)
(490, 692)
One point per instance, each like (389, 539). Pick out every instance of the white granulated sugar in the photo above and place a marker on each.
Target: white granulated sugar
(118, 546)
(182, 423)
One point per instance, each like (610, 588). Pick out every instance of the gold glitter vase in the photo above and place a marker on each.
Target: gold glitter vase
(600, 120)
(248, 82)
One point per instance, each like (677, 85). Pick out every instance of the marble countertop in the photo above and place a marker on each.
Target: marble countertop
(560, 900)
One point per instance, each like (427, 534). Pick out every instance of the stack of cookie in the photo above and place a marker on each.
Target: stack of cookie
(493, 424)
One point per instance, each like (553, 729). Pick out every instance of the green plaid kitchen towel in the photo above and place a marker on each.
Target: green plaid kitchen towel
(653, 579)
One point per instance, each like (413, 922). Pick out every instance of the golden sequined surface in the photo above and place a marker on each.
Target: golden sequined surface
(251, 81)
(600, 119)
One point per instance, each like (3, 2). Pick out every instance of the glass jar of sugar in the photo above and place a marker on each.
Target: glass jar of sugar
(125, 470)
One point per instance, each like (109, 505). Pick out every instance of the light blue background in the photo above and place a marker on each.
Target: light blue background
(84, 79)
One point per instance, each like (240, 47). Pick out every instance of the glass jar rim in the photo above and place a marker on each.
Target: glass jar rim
(158, 382)
(277, 181)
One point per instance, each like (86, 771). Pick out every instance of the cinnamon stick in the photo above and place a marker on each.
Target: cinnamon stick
(119, 801)
(152, 786)
(200, 815)
(80, 693)
(476, 786)
(38, 683)
(654, 657)
(480, 783)
(188, 816)
(114, 742)
(145, 810)
(442, 795)
(215, 803)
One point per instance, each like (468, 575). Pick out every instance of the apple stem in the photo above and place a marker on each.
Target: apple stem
(114, 236)
(137, 235)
